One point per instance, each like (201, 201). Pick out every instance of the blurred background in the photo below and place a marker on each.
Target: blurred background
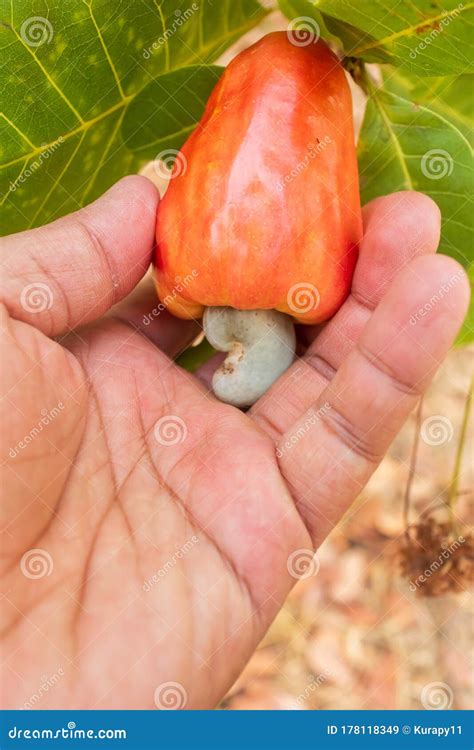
(356, 635)
(366, 631)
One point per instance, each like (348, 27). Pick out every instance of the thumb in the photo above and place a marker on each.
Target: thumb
(70, 272)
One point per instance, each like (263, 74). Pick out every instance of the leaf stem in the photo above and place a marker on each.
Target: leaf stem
(454, 485)
(365, 80)
(413, 461)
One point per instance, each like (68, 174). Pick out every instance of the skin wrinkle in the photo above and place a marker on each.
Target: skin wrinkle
(35, 340)
(115, 502)
(194, 525)
(95, 243)
(320, 365)
(336, 423)
(197, 530)
(48, 275)
(46, 454)
(20, 616)
(366, 303)
(54, 511)
(378, 364)
(268, 426)
(311, 518)
(309, 529)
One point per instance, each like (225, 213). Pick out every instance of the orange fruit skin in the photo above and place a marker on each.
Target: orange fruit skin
(264, 207)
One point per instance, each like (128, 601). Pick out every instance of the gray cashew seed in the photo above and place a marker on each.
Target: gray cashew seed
(260, 345)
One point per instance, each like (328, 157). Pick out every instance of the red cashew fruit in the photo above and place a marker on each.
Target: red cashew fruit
(263, 209)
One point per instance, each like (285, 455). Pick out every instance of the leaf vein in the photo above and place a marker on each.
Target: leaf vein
(88, 3)
(407, 31)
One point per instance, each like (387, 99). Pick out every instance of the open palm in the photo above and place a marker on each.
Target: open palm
(151, 533)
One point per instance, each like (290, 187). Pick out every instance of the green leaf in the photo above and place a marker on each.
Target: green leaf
(196, 356)
(428, 37)
(405, 146)
(69, 70)
(304, 10)
(165, 112)
(450, 97)
(304, 13)
(466, 334)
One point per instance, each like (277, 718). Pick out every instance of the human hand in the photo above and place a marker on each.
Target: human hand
(151, 533)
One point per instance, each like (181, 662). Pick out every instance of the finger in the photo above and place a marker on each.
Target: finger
(329, 454)
(72, 271)
(144, 312)
(398, 228)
